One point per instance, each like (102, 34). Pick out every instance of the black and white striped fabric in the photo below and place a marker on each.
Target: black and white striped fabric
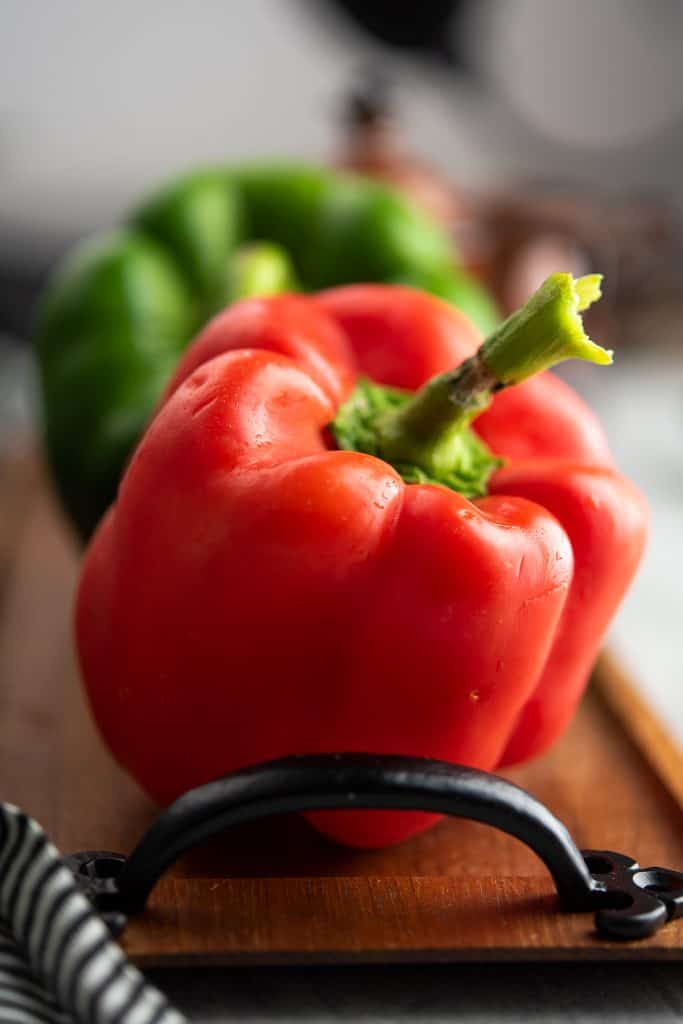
(58, 962)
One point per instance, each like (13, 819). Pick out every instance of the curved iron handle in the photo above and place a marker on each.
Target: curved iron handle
(597, 881)
(355, 781)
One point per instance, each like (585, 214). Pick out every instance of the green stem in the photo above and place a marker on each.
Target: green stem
(545, 331)
(257, 269)
(429, 430)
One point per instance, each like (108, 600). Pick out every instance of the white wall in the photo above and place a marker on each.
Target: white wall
(98, 98)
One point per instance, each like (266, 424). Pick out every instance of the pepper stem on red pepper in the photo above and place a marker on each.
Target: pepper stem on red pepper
(426, 436)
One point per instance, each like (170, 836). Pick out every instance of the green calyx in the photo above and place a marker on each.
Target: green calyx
(359, 427)
(427, 435)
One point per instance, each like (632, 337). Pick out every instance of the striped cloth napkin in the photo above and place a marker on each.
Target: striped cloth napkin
(58, 961)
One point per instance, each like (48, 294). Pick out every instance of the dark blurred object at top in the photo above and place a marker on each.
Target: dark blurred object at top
(513, 238)
(429, 28)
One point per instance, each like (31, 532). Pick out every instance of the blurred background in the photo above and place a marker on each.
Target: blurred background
(546, 135)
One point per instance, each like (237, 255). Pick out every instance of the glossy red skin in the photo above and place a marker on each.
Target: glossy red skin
(253, 594)
(292, 325)
(606, 519)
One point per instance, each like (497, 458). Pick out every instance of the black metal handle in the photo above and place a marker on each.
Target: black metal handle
(628, 906)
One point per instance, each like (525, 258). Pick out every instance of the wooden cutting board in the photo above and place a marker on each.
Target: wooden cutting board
(276, 891)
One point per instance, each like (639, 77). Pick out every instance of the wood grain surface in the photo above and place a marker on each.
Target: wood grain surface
(276, 891)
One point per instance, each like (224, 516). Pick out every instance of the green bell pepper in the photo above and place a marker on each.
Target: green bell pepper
(119, 311)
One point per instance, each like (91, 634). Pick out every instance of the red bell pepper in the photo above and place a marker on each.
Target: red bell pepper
(295, 564)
